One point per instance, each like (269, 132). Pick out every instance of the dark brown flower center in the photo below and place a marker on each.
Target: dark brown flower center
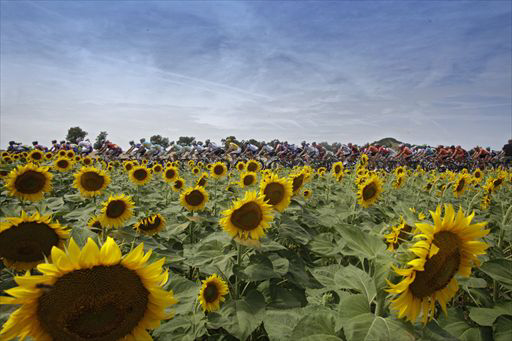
(460, 185)
(37, 156)
(27, 242)
(4, 173)
(440, 269)
(211, 292)
(62, 164)
(218, 170)
(101, 303)
(194, 198)
(140, 174)
(297, 182)
(369, 191)
(274, 193)
(178, 184)
(92, 181)
(30, 182)
(252, 166)
(170, 173)
(128, 166)
(248, 180)
(337, 169)
(202, 182)
(147, 225)
(247, 217)
(116, 208)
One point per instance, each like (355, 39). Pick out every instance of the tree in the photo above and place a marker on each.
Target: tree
(74, 133)
(254, 142)
(162, 141)
(185, 140)
(100, 139)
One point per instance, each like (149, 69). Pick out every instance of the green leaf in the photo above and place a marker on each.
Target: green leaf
(351, 277)
(500, 270)
(324, 245)
(503, 329)
(455, 324)
(316, 326)
(80, 235)
(289, 228)
(353, 305)
(368, 327)
(259, 268)
(362, 244)
(279, 324)
(487, 316)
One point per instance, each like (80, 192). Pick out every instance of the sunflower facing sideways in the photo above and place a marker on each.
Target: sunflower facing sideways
(447, 248)
(248, 218)
(95, 224)
(90, 294)
(91, 181)
(170, 174)
(277, 191)
(25, 241)
(298, 180)
(29, 182)
(369, 191)
(218, 170)
(140, 175)
(116, 211)
(212, 293)
(194, 199)
(307, 193)
(202, 180)
(460, 185)
(150, 225)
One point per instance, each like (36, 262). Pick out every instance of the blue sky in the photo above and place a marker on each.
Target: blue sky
(424, 72)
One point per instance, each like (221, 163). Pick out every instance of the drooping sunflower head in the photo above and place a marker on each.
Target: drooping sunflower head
(95, 224)
(202, 180)
(90, 294)
(399, 181)
(128, 166)
(240, 166)
(170, 174)
(194, 199)
(364, 159)
(337, 168)
(140, 175)
(247, 179)
(212, 293)
(276, 191)
(63, 164)
(29, 182)
(448, 247)
(150, 225)
(157, 168)
(25, 241)
(307, 193)
(248, 218)
(398, 235)
(298, 180)
(461, 185)
(36, 156)
(369, 191)
(178, 184)
(116, 210)
(218, 170)
(91, 181)
(253, 166)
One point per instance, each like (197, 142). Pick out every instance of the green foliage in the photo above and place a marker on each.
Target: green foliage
(74, 133)
(185, 140)
(100, 139)
(159, 140)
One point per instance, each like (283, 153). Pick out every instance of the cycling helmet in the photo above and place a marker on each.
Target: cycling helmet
(34, 143)
(11, 143)
(54, 141)
(142, 140)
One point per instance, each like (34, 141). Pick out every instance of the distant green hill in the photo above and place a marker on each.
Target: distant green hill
(389, 142)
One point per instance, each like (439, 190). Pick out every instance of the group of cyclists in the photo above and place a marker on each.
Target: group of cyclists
(288, 154)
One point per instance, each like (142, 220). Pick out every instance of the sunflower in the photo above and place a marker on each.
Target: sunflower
(460, 185)
(3, 174)
(140, 175)
(48, 155)
(447, 248)
(307, 193)
(240, 166)
(399, 181)
(150, 225)
(247, 179)
(194, 198)
(364, 159)
(29, 182)
(170, 174)
(218, 170)
(91, 293)
(91, 181)
(61, 153)
(191, 163)
(95, 224)
(70, 154)
(212, 293)
(25, 241)
(248, 218)
(36, 155)
(7, 159)
(157, 168)
(178, 184)
(202, 180)
(399, 170)
(478, 175)
(337, 168)
(116, 210)
(128, 166)
(200, 164)
(196, 170)
(16, 157)
(340, 177)
(253, 166)
(397, 235)
(485, 202)
(62, 164)
(276, 191)
(298, 180)
(369, 191)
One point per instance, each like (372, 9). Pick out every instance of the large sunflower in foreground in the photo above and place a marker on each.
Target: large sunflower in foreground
(116, 211)
(212, 293)
(218, 170)
(140, 175)
(150, 225)
(276, 191)
(447, 248)
(25, 241)
(91, 181)
(194, 199)
(29, 182)
(63, 164)
(170, 174)
(369, 191)
(90, 294)
(248, 218)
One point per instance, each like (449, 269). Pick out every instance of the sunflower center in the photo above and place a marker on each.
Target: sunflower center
(369, 191)
(116, 208)
(337, 169)
(100, 303)
(218, 170)
(440, 269)
(297, 182)
(37, 156)
(27, 242)
(460, 186)
(194, 198)
(252, 167)
(157, 168)
(147, 225)
(92, 181)
(497, 182)
(248, 180)
(128, 167)
(178, 184)
(274, 193)
(169, 174)
(247, 217)
(202, 182)
(140, 174)
(211, 292)
(4, 173)
(30, 182)
(62, 163)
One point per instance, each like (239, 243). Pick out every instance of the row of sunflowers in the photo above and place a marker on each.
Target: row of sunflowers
(184, 250)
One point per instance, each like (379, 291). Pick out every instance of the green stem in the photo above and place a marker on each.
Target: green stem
(238, 262)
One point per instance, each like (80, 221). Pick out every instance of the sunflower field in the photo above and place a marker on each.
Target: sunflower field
(131, 250)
